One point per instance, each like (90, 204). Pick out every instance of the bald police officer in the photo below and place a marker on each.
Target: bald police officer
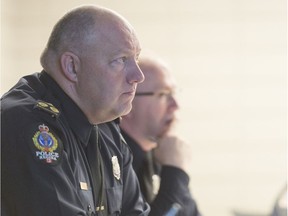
(57, 157)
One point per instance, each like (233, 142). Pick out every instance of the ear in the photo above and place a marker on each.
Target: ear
(70, 65)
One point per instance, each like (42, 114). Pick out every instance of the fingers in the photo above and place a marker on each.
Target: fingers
(170, 151)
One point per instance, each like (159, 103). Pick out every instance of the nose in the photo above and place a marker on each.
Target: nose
(173, 104)
(135, 74)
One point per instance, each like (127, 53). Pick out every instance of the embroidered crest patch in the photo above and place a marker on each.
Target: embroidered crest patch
(47, 145)
(116, 167)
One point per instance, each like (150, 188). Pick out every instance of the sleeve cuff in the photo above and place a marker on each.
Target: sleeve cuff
(174, 176)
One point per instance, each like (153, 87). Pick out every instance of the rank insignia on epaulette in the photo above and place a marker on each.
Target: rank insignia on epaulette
(47, 145)
(116, 167)
(48, 107)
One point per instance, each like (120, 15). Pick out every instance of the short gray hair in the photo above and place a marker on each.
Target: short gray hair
(72, 32)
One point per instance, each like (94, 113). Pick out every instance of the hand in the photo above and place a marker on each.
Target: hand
(170, 151)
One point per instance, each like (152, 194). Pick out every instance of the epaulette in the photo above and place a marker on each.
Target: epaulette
(47, 107)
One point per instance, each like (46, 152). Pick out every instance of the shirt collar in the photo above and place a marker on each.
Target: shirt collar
(138, 154)
(76, 119)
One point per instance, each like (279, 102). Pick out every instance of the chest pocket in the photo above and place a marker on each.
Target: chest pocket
(113, 185)
(114, 199)
(113, 158)
(84, 187)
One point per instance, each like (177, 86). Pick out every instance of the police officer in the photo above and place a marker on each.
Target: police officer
(158, 154)
(57, 156)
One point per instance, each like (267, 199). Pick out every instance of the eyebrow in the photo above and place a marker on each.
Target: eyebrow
(126, 52)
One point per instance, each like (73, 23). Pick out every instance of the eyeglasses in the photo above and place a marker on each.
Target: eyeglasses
(166, 94)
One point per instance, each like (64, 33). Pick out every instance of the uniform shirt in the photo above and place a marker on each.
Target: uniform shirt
(161, 186)
(44, 167)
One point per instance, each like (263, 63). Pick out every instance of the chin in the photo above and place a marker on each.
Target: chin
(126, 109)
(165, 130)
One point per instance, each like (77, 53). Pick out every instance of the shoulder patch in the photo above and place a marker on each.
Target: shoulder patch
(47, 147)
(47, 107)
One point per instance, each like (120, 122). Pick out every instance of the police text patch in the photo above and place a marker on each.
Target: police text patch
(48, 148)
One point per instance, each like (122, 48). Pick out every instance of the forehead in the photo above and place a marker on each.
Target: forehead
(117, 38)
(157, 78)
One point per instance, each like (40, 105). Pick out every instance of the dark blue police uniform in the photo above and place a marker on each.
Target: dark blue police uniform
(45, 170)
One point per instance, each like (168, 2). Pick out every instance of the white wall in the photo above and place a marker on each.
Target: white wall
(229, 57)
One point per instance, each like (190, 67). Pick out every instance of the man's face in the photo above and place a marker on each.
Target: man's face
(156, 113)
(110, 72)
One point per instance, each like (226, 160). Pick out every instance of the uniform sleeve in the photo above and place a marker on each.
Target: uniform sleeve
(174, 188)
(32, 185)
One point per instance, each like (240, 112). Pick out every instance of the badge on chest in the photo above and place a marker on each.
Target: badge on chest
(116, 167)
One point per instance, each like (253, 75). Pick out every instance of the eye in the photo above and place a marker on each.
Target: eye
(165, 94)
(161, 94)
(119, 63)
(121, 60)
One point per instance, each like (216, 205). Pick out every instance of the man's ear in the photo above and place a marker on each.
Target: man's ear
(70, 64)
